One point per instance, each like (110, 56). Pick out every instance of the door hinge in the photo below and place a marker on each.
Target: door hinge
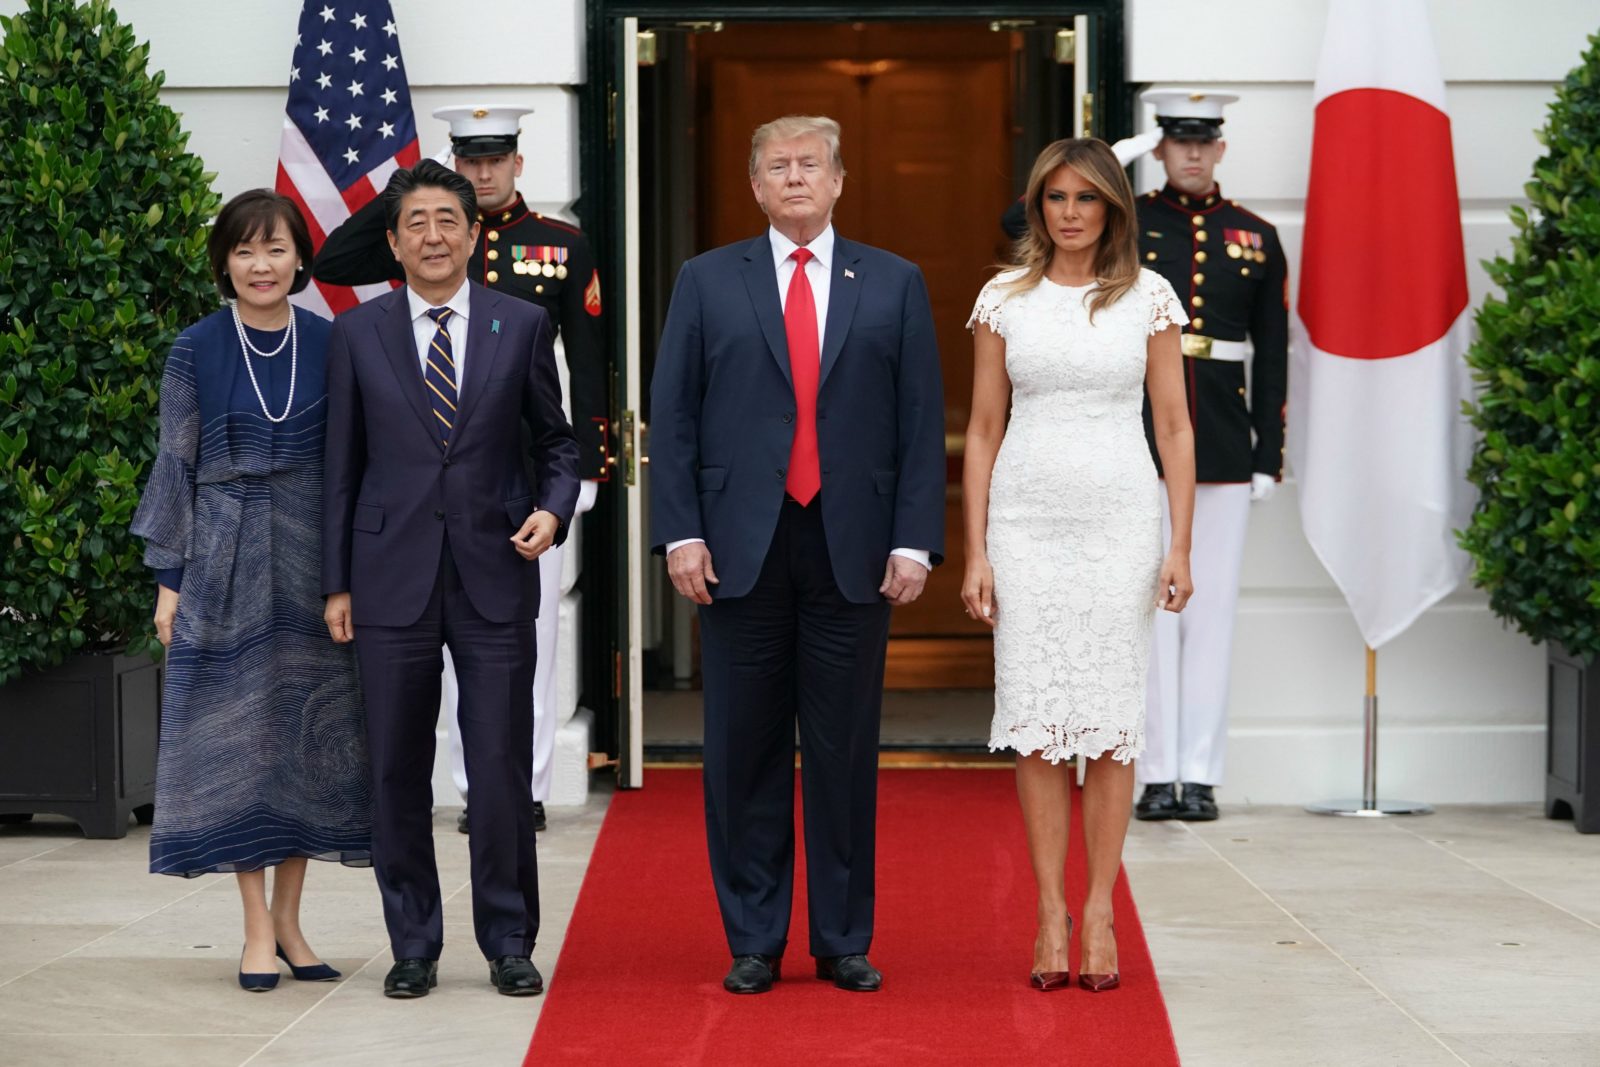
(630, 473)
(1066, 47)
(645, 43)
(1088, 114)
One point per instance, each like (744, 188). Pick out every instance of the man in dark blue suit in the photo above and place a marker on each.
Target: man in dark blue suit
(431, 531)
(797, 439)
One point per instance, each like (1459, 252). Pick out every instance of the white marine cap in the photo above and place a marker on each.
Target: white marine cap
(1189, 114)
(483, 129)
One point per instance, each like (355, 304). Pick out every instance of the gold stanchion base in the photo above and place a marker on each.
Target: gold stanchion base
(1359, 809)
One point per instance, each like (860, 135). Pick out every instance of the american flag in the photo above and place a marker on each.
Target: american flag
(348, 124)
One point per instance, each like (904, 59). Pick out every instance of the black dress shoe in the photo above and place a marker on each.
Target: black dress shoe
(753, 974)
(850, 972)
(461, 821)
(538, 816)
(1159, 802)
(1198, 803)
(516, 976)
(410, 978)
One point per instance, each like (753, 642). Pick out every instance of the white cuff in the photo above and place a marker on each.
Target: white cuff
(673, 546)
(916, 555)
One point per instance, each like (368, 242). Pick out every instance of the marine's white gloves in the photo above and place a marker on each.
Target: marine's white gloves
(1262, 486)
(1131, 148)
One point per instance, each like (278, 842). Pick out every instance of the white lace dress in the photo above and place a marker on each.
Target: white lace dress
(1074, 518)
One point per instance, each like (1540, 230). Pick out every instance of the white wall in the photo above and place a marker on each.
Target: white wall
(1461, 698)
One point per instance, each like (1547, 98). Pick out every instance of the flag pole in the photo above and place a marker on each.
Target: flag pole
(1369, 805)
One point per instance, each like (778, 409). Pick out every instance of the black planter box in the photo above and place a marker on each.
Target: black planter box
(1572, 761)
(80, 740)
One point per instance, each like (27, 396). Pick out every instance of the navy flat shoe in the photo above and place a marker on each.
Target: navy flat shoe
(311, 972)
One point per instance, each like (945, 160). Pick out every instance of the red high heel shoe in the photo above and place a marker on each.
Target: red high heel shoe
(1050, 981)
(1100, 983)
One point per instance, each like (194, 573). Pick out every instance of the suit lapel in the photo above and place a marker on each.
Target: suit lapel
(762, 282)
(842, 295)
(400, 345)
(483, 346)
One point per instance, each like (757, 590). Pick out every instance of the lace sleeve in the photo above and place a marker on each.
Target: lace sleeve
(991, 300)
(1165, 309)
(166, 508)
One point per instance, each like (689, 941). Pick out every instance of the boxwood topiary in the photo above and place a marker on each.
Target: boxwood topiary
(1535, 535)
(102, 262)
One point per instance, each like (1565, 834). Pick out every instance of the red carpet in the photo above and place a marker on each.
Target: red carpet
(639, 980)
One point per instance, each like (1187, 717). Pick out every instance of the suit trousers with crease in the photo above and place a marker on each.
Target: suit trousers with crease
(400, 670)
(793, 649)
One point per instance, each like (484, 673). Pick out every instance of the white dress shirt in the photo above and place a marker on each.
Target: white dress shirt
(819, 272)
(423, 328)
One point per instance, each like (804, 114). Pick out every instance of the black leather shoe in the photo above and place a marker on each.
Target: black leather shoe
(850, 972)
(538, 816)
(1198, 803)
(1159, 802)
(410, 978)
(753, 974)
(461, 821)
(516, 976)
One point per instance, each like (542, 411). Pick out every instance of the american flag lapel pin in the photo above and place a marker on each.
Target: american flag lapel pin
(494, 327)
(848, 273)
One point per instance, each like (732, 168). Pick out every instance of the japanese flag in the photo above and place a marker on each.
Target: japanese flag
(1377, 439)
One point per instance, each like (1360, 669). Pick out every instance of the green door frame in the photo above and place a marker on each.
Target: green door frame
(604, 678)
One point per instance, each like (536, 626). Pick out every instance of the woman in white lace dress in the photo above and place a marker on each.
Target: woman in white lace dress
(1063, 521)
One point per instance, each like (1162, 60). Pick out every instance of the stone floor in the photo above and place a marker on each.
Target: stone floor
(1467, 937)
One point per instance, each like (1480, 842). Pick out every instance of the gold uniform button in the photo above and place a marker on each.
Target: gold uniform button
(1151, 256)
(1200, 257)
(494, 235)
(1198, 220)
(1199, 235)
(1199, 301)
(538, 288)
(494, 276)
(506, 217)
(1244, 271)
(1199, 279)
(1198, 323)
(1241, 390)
(494, 254)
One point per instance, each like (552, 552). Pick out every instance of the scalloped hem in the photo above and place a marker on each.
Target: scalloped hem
(1123, 751)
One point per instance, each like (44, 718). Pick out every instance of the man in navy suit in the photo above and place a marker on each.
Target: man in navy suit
(430, 535)
(797, 440)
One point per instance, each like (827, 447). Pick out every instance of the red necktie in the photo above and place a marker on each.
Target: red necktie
(805, 364)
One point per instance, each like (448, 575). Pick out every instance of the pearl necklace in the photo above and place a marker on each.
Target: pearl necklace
(292, 339)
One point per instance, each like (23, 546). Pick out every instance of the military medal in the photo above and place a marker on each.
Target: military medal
(549, 270)
(1246, 244)
(561, 270)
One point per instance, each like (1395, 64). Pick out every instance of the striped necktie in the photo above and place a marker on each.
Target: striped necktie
(439, 372)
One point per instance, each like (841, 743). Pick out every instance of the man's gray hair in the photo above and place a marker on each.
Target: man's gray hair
(792, 126)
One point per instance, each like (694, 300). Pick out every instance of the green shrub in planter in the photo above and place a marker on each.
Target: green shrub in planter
(103, 219)
(1535, 536)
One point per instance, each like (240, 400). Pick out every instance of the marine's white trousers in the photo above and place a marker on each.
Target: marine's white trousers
(1186, 703)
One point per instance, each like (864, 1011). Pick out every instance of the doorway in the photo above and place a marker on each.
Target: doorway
(940, 118)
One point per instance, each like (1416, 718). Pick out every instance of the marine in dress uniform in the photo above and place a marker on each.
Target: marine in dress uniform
(547, 262)
(1228, 265)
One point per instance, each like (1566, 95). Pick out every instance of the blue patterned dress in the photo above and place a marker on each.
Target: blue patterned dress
(263, 745)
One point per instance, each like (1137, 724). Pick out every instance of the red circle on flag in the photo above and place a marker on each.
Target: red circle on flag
(1383, 272)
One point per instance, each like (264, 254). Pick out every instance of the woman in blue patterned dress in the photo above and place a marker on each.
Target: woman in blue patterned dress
(263, 759)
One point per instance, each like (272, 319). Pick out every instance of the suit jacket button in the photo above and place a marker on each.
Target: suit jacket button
(780, 472)
(788, 418)
(438, 514)
(447, 462)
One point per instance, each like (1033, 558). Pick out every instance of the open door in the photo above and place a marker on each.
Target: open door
(630, 755)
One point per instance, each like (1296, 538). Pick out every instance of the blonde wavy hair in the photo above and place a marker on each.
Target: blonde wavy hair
(1116, 262)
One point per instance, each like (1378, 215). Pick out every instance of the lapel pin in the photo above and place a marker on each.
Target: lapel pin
(848, 273)
(494, 327)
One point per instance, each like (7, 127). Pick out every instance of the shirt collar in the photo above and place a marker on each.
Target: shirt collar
(460, 303)
(821, 246)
